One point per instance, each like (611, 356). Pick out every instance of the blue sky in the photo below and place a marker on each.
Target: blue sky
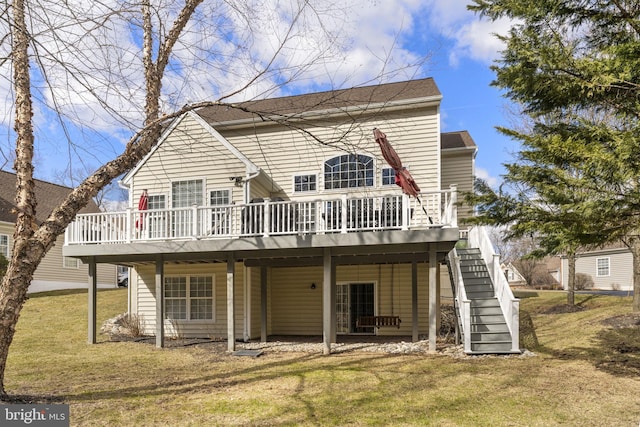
(365, 41)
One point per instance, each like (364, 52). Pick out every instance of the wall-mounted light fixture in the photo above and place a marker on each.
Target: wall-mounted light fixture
(237, 180)
(313, 286)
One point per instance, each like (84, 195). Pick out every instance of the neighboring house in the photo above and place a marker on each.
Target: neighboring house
(545, 273)
(55, 271)
(251, 227)
(611, 268)
(512, 274)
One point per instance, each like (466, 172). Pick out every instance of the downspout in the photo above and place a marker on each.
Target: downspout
(247, 184)
(247, 270)
(129, 285)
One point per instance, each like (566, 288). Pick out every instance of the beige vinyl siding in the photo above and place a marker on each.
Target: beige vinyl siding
(254, 295)
(457, 168)
(284, 152)
(52, 270)
(296, 309)
(188, 153)
(620, 266)
(146, 300)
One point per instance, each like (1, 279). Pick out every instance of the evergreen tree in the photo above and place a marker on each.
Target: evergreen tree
(574, 67)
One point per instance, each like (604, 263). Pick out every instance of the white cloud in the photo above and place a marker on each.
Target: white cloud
(331, 44)
(477, 40)
(472, 36)
(484, 175)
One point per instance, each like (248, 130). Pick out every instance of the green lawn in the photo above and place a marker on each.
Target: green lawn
(583, 373)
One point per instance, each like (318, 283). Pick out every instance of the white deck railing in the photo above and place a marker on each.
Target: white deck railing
(479, 238)
(267, 218)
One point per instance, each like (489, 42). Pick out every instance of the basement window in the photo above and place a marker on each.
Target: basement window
(189, 297)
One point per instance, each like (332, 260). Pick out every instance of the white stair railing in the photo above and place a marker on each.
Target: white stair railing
(479, 238)
(462, 302)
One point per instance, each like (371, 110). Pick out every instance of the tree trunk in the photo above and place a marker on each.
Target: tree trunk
(571, 282)
(13, 289)
(635, 252)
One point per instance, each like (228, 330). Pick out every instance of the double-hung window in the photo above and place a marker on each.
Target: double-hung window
(4, 245)
(189, 298)
(603, 267)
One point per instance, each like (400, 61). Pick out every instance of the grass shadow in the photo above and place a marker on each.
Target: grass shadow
(528, 336)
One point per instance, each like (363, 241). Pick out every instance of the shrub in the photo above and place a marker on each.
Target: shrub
(133, 324)
(583, 281)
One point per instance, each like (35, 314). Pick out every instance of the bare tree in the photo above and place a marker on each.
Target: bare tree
(130, 66)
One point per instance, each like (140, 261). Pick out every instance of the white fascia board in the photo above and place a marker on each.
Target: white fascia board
(125, 182)
(459, 150)
(251, 167)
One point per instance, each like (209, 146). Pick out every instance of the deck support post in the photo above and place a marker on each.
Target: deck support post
(414, 302)
(263, 303)
(93, 301)
(433, 300)
(438, 297)
(159, 277)
(328, 302)
(231, 315)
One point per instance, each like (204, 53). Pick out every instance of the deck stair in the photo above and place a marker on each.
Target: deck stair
(488, 330)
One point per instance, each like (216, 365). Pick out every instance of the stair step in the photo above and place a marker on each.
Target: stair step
(478, 285)
(476, 280)
(486, 311)
(480, 294)
(484, 318)
(485, 302)
(492, 347)
(468, 251)
(471, 261)
(472, 267)
(490, 336)
(489, 327)
(476, 275)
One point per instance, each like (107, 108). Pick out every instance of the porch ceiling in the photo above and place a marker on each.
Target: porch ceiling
(351, 248)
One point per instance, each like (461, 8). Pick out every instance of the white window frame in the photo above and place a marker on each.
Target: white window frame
(219, 219)
(305, 174)
(66, 263)
(603, 268)
(229, 194)
(341, 188)
(188, 298)
(382, 177)
(203, 195)
(4, 247)
(155, 196)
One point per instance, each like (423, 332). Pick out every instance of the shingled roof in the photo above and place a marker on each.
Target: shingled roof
(49, 196)
(323, 101)
(459, 139)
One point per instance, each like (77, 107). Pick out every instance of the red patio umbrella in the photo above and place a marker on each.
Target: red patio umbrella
(143, 205)
(403, 176)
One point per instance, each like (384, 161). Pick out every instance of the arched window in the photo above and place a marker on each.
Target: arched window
(348, 171)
